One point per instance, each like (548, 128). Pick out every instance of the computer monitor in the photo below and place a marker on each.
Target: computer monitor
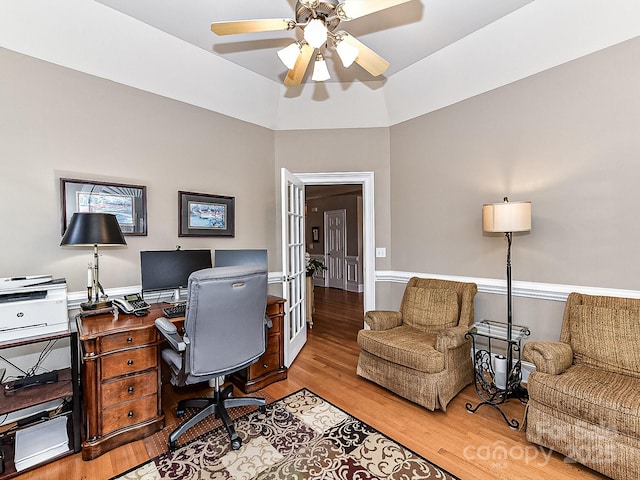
(170, 269)
(228, 258)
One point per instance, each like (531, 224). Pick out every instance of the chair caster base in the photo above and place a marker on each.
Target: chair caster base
(236, 443)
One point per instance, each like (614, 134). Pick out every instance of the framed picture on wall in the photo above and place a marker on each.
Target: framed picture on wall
(204, 215)
(127, 202)
(315, 234)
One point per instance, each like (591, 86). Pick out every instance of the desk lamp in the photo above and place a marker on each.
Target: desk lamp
(93, 229)
(507, 217)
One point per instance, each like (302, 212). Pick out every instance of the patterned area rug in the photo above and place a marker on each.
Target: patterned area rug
(300, 436)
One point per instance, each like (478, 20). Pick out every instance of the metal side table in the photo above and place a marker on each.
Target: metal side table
(497, 377)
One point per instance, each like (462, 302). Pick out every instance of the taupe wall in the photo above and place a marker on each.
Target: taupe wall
(56, 122)
(566, 139)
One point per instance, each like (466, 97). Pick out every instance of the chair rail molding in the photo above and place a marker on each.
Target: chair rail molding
(541, 291)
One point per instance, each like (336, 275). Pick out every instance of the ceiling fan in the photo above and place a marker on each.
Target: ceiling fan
(318, 21)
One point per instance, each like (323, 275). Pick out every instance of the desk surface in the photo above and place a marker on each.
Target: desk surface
(94, 326)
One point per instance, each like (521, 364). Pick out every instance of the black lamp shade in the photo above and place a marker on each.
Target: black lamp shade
(93, 229)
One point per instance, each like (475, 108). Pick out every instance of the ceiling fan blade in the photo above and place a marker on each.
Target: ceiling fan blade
(367, 58)
(350, 9)
(252, 26)
(295, 75)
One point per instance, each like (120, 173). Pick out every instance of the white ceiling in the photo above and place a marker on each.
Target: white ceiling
(441, 52)
(403, 35)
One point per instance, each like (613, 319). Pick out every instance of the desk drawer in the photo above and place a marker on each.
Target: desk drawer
(128, 361)
(129, 388)
(134, 338)
(267, 363)
(129, 413)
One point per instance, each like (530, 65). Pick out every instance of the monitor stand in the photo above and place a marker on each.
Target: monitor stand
(176, 296)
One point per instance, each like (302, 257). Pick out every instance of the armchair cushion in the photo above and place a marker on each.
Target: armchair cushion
(592, 395)
(606, 338)
(549, 357)
(430, 310)
(404, 345)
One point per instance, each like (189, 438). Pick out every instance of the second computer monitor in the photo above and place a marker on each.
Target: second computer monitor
(228, 258)
(170, 269)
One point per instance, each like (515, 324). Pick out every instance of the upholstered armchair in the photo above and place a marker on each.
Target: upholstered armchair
(584, 396)
(420, 352)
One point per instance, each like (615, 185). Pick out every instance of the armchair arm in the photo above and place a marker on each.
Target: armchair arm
(170, 332)
(383, 319)
(453, 337)
(548, 357)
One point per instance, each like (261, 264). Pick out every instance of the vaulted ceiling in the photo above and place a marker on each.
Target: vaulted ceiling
(440, 52)
(403, 35)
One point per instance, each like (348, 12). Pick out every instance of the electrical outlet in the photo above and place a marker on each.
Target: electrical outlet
(381, 252)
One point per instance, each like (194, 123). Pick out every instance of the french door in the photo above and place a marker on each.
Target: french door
(293, 264)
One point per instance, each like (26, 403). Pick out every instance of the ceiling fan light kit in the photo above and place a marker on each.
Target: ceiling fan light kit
(320, 70)
(348, 53)
(289, 54)
(317, 20)
(315, 33)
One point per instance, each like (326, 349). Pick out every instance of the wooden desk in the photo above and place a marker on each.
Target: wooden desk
(121, 375)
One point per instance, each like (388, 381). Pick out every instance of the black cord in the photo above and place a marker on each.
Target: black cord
(43, 355)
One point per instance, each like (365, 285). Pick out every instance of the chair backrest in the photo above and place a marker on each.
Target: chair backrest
(225, 319)
(604, 332)
(432, 304)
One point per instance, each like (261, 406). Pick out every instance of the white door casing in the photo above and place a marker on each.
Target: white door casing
(366, 179)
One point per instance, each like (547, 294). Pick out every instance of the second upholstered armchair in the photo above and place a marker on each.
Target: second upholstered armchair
(420, 352)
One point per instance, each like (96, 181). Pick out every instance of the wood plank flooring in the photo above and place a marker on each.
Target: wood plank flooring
(476, 446)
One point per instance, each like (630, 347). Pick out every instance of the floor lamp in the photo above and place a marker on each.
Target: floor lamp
(508, 218)
(90, 230)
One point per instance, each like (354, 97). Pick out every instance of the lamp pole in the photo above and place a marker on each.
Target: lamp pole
(509, 236)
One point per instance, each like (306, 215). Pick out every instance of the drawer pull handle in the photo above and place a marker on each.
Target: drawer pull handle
(129, 339)
(264, 365)
(129, 362)
(130, 414)
(130, 389)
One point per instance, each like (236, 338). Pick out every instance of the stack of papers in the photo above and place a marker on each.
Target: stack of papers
(41, 442)
(17, 282)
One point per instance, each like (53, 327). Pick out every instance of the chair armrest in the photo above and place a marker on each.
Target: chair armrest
(383, 319)
(170, 332)
(548, 357)
(451, 338)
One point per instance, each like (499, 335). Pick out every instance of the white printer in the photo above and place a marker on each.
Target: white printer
(32, 306)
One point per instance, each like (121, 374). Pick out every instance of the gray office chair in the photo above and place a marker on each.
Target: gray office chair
(225, 331)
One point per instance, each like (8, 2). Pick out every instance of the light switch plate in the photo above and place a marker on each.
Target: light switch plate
(381, 252)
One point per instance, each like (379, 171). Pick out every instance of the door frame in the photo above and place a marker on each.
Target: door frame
(366, 180)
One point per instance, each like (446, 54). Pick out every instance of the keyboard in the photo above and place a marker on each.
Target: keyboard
(175, 311)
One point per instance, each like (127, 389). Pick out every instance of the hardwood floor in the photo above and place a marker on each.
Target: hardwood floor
(471, 446)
